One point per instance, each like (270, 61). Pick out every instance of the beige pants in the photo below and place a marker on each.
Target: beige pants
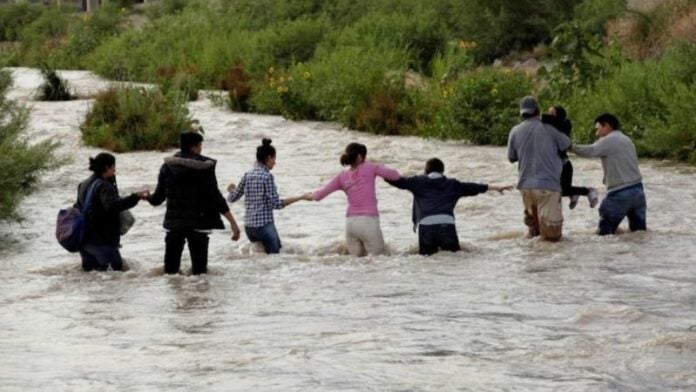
(364, 236)
(543, 213)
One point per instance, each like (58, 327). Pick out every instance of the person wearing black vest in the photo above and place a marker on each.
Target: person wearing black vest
(100, 246)
(434, 199)
(194, 204)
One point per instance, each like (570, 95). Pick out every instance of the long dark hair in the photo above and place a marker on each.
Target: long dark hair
(353, 151)
(265, 150)
(101, 162)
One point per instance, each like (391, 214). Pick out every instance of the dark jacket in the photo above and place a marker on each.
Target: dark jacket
(194, 202)
(563, 125)
(102, 220)
(435, 196)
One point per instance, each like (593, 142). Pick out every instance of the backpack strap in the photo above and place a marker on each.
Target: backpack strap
(90, 196)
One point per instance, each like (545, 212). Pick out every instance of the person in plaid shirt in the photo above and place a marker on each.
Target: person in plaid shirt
(261, 198)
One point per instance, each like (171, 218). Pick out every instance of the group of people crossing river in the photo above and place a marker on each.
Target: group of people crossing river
(194, 203)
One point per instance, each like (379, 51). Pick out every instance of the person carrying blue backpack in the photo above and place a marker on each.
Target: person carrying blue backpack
(99, 249)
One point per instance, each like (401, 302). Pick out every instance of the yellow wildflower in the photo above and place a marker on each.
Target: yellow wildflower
(271, 70)
(306, 75)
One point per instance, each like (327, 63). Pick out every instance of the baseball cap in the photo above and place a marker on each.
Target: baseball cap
(529, 105)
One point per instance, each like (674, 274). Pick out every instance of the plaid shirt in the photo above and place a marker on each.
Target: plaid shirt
(261, 196)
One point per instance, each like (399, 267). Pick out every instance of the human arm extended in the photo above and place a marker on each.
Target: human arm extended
(160, 193)
(597, 149)
(236, 192)
(331, 187)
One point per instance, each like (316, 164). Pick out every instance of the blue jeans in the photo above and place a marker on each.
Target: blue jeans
(267, 235)
(100, 257)
(433, 238)
(628, 202)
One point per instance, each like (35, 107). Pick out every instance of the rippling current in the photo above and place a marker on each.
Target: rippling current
(586, 314)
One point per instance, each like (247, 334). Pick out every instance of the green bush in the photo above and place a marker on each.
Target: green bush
(54, 88)
(43, 37)
(21, 161)
(89, 33)
(346, 79)
(484, 105)
(129, 118)
(14, 17)
(422, 35)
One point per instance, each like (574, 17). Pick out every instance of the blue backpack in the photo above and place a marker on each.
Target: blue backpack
(70, 224)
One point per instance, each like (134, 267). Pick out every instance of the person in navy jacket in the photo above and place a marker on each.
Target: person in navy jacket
(434, 199)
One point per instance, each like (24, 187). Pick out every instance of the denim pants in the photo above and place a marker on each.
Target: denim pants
(267, 235)
(628, 202)
(100, 257)
(198, 249)
(433, 238)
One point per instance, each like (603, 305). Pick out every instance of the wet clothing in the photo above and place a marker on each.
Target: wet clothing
(174, 247)
(102, 221)
(100, 257)
(99, 250)
(619, 159)
(536, 147)
(434, 199)
(543, 213)
(260, 196)
(364, 236)
(359, 186)
(267, 235)
(194, 204)
(626, 202)
(433, 238)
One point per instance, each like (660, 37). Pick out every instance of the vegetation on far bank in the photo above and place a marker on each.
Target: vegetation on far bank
(21, 161)
(412, 67)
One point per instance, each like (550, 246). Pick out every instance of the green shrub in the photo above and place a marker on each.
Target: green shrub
(54, 88)
(422, 34)
(285, 93)
(88, 33)
(14, 17)
(484, 105)
(346, 79)
(21, 161)
(43, 37)
(129, 118)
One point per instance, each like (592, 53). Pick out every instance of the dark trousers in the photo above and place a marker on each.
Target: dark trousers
(567, 182)
(198, 249)
(433, 238)
(100, 257)
(625, 203)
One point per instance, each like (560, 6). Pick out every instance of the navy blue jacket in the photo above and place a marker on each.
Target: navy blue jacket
(435, 196)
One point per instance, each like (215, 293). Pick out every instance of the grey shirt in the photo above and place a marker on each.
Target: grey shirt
(619, 159)
(537, 147)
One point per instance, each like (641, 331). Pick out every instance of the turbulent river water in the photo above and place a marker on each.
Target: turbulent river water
(587, 314)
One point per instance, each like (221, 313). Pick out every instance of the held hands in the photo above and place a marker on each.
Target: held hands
(231, 187)
(500, 188)
(309, 196)
(143, 195)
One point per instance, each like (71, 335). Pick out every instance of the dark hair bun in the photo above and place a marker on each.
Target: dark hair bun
(266, 142)
(92, 164)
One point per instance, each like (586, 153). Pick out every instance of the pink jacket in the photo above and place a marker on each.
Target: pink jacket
(359, 186)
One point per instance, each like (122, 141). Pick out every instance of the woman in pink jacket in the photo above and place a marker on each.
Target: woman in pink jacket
(363, 233)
